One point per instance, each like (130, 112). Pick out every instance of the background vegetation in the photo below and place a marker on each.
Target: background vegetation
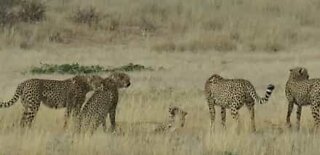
(76, 68)
(167, 25)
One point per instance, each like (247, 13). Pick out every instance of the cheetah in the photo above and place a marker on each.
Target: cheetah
(233, 94)
(103, 101)
(177, 118)
(69, 94)
(302, 91)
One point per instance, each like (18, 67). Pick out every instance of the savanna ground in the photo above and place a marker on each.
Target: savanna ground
(188, 40)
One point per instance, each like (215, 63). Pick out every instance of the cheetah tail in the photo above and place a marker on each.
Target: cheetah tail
(268, 93)
(15, 98)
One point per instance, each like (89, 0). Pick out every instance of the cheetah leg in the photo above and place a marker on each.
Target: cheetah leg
(112, 117)
(316, 115)
(212, 111)
(73, 108)
(299, 109)
(235, 116)
(70, 103)
(66, 117)
(290, 108)
(223, 117)
(93, 128)
(104, 125)
(75, 112)
(29, 114)
(252, 118)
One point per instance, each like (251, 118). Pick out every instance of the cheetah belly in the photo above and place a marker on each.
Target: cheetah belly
(55, 105)
(302, 100)
(229, 101)
(54, 99)
(224, 104)
(303, 103)
(54, 102)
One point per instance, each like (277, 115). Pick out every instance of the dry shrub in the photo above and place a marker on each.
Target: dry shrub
(266, 45)
(204, 42)
(15, 11)
(158, 19)
(213, 24)
(274, 39)
(56, 37)
(7, 18)
(110, 22)
(32, 11)
(167, 45)
(215, 42)
(89, 16)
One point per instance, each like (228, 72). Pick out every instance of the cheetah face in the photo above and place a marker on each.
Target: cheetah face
(178, 114)
(299, 73)
(95, 82)
(215, 78)
(122, 79)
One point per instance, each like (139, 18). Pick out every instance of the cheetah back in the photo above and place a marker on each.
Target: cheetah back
(230, 91)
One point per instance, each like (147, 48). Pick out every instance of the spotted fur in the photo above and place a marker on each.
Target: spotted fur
(233, 94)
(302, 91)
(103, 102)
(55, 94)
(176, 120)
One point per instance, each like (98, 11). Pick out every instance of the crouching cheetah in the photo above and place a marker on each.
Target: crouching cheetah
(302, 91)
(103, 101)
(176, 120)
(69, 93)
(233, 94)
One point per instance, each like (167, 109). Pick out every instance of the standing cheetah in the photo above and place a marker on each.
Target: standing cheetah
(103, 102)
(302, 91)
(177, 118)
(233, 94)
(69, 93)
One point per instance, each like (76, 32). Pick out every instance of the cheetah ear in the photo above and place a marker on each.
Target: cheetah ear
(90, 77)
(301, 70)
(100, 87)
(172, 109)
(185, 113)
(74, 80)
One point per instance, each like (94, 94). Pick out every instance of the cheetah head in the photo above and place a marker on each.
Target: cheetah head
(90, 82)
(94, 82)
(121, 79)
(299, 73)
(215, 77)
(178, 114)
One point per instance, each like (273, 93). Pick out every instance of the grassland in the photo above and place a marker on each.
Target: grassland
(167, 25)
(146, 103)
(239, 43)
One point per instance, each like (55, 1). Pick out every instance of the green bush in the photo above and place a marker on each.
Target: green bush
(76, 68)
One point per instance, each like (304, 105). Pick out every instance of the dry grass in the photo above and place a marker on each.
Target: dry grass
(221, 25)
(202, 42)
(146, 103)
